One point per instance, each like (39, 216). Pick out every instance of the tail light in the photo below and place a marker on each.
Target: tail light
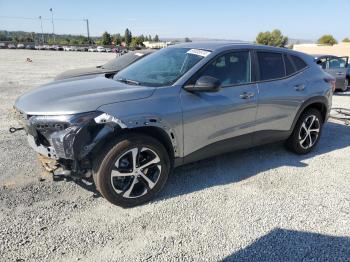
(331, 82)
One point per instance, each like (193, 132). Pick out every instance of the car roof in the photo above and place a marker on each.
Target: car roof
(318, 56)
(217, 46)
(143, 51)
(222, 45)
(210, 45)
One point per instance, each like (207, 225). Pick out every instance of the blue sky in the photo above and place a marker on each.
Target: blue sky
(235, 19)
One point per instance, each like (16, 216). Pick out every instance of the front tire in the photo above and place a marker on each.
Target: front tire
(306, 133)
(132, 170)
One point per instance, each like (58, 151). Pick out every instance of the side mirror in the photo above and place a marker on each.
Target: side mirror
(205, 84)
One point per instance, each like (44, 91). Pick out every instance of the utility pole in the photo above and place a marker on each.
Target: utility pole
(87, 29)
(53, 26)
(42, 31)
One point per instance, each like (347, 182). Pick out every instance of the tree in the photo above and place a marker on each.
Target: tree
(117, 39)
(136, 43)
(15, 39)
(106, 39)
(327, 40)
(128, 37)
(187, 40)
(156, 38)
(274, 38)
(346, 40)
(142, 38)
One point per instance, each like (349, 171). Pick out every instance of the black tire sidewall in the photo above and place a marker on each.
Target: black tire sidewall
(293, 141)
(102, 175)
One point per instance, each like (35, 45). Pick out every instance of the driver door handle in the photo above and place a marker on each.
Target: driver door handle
(246, 95)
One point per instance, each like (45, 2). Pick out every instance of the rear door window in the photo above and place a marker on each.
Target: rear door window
(271, 65)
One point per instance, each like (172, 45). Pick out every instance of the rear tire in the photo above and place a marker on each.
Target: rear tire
(306, 133)
(131, 170)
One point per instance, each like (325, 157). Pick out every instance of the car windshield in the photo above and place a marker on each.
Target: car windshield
(162, 68)
(121, 62)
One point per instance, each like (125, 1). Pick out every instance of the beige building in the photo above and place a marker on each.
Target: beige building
(341, 49)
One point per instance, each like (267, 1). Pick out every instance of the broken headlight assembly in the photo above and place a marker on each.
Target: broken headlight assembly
(71, 136)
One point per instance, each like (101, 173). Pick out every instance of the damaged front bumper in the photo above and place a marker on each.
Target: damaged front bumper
(66, 141)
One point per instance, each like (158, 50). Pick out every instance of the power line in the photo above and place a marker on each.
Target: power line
(52, 21)
(43, 18)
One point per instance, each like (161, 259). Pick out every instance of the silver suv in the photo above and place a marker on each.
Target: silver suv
(178, 105)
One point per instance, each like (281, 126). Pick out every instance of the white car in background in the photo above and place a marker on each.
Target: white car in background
(92, 49)
(67, 48)
(108, 50)
(101, 49)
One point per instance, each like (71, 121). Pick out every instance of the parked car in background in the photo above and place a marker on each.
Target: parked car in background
(40, 47)
(108, 50)
(68, 48)
(59, 48)
(30, 47)
(92, 49)
(337, 67)
(20, 46)
(3, 46)
(111, 67)
(11, 46)
(82, 49)
(181, 104)
(101, 49)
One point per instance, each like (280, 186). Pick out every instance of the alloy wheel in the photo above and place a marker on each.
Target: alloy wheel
(309, 132)
(136, 172)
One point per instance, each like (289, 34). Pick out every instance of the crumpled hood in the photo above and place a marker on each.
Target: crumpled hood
(78, 95)
(83, 72)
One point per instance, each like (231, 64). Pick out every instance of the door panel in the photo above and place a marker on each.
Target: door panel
(212, 117)
(279, 96)
(278, 102)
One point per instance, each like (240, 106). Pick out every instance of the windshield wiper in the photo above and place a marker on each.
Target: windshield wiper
(128, 81)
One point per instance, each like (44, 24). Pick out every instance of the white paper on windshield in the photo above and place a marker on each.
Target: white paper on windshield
(199, 52)
(139, 54)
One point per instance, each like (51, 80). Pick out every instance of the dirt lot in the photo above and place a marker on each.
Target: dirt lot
(262, 204)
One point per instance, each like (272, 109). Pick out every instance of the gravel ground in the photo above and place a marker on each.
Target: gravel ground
(262, 204)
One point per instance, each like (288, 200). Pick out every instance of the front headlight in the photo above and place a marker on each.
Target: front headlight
(69, 134)
(61, 131)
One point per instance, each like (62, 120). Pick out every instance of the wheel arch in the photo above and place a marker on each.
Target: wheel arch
(319, 103)
(167, 139)
(157, 133)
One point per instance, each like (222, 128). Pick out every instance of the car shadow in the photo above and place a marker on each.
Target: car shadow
(240, 165)
(290, 245)
(342, 93)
